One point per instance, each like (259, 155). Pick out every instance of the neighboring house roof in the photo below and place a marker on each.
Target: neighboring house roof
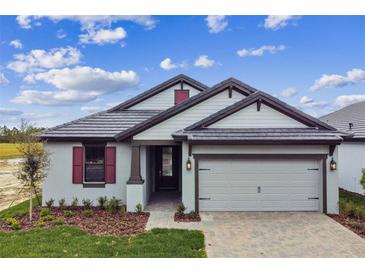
(181, 78)
(261, 97)
(230, 83)
(102, 125)
(260, 136)
(341, 119)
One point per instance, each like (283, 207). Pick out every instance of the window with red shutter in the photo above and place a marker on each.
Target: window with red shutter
(181, 96)
(77, 165)
(110, 159)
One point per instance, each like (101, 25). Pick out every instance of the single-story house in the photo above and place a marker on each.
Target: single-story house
(229, 147)
(351, 153)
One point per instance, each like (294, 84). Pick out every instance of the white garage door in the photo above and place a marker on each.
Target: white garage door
(259, 185)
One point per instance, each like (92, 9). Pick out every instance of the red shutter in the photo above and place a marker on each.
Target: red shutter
(110, 158)
(77, 165)
(181, 96)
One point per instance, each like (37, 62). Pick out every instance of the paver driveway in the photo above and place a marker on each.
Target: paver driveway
(269, 234)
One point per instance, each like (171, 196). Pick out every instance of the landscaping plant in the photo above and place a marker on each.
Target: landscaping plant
(180, 208)
(87, 213)
(68, 213)
(102, 201)
(139, 208)
(44, 212)
(113, 204)
(61, 203)
(87, 203)
(75, 202)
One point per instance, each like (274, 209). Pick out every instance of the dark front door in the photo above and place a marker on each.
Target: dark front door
(167, 159)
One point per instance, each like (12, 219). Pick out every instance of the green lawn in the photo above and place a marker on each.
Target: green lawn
(19, 209)
(71, 242)
(9, 150)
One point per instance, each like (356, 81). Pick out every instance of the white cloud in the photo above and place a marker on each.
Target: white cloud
(3, 80)
(39, 59)
(167, 64)
(61, 34)
(79, 84)
(89, 21)
(10, 112)
(334, 80)
(288, 92)
(103, 36)
(216, 23)
(204, 62)
(260, 51)
(276, 22)
(16, 44)
(345, 100)
(305, 100)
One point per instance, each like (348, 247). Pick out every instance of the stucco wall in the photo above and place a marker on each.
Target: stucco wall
(188, 188)
(58, 183)
(350, 165)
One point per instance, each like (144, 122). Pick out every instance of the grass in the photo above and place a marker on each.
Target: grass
(19, 209)
(9, 151)
(71, 242)
(352, 204)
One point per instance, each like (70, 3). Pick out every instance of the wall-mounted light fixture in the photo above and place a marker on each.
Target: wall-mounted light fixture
(333, 164)
(188, 164)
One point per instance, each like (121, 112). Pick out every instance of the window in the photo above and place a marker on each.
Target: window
(94, 163)
(167, 161)
(181, 96)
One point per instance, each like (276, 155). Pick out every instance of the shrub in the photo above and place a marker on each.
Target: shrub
(194, 215)
(58, 221)
(68, 213)
(47, 218)
(40, 223)
(87, 203)
(180, 208)
(113, 204)
(87, 213)
(10, 220)
(61, 203)
(75, 202)
(123, 209)
(102, 201)
(44, 212)
(138, 208)
(49, 203)
(357, 225)
(15, 226)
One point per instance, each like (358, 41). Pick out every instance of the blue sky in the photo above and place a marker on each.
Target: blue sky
(54, 69)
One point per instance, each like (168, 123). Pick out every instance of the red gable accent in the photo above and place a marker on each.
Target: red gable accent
(77, 165)
(181, 96)
(110, 159)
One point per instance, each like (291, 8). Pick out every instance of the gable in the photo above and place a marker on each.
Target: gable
(163, 130)
(164, 99)
(250, 117)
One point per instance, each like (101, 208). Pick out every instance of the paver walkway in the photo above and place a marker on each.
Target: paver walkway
(266, 234)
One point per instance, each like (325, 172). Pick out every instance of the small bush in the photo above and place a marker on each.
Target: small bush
(194, 215)
(49, 203)
(68, 213)
(44, 212)
(58, 221)
(10, 221)
(75, 202)
(47, 218)
(113, 204)
(102, 202)
(61, 203)
(138, 208)
(15, 226)
(40, 223)
(123, 209)
(357, 225)
(87, 203)
(87, 213)
(180, 208)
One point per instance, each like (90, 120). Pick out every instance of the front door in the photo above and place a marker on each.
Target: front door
(167, 159)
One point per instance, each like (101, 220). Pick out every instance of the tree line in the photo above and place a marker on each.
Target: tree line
(11, 135)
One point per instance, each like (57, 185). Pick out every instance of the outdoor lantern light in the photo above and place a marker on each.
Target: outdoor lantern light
(333, 164)
(188, 164)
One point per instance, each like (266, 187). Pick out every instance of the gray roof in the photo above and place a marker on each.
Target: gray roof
(100, 125)
(260, 134)
(354, 114)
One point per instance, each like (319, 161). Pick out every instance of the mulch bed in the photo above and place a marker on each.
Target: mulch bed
(357, 225)
(178, 217)
(101, 223)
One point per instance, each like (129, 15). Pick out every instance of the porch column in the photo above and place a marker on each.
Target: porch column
(136, 177)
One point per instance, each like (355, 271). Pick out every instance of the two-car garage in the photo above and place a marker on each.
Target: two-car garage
(260, 183)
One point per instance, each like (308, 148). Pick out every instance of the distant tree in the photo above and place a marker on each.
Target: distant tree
(33, 169)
